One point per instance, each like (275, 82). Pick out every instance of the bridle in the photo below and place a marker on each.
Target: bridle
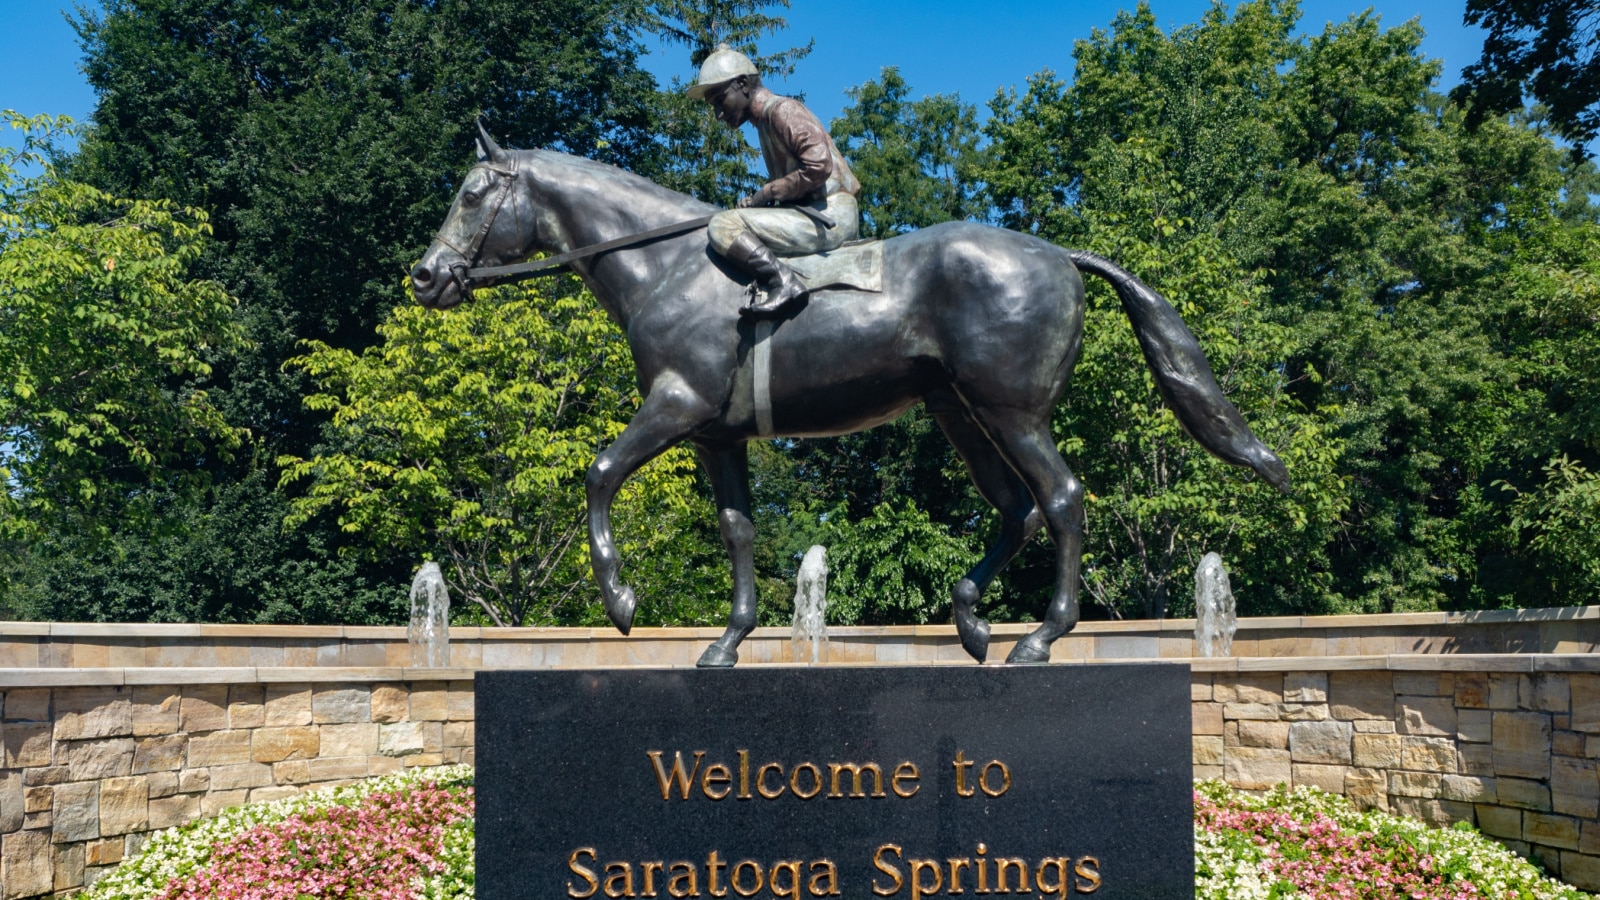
(505, 179)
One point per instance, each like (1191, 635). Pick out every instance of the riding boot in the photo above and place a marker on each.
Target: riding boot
(782, 286)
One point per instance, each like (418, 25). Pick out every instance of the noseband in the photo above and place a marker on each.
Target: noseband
(505, 178)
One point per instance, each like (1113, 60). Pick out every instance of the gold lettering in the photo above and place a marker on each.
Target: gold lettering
(649, 869)
(717, 774)
(830, 872)
(685, 882)
(909, 772)
(983, 867)
(962, 764)
(956, 865)
(918, 889)
(1005, 779)
(792, 889)
(885, 868)
(733, 878)
(1013, 862)
(624, 871)
(1061, 886)
(744, 774)
(678, 777)
(713, 866)
(761, 781)
(836, 769)
(586, 874)
(1088, 872)
(816, 781)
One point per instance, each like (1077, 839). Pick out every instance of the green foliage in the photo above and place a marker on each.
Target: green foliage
(106, 338)
(468, 434)
(1547, 48)
(894, 567)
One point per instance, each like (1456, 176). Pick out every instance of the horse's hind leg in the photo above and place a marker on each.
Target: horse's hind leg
(1027, 444)
(1000, 486)
(729, 471)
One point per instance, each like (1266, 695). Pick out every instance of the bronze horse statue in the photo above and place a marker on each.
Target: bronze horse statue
(980, 324)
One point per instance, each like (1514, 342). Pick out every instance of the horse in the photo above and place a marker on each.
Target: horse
(980, 324)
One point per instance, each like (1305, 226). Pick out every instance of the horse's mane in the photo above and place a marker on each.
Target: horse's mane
(622, 178)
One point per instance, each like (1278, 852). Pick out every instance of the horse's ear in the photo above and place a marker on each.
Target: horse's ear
(487, 148)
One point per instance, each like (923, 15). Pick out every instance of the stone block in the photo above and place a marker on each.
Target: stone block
(1584, 692)
(194, 781)
(124, 805)
(404, 739)
(1425, 715)
(1505, 690)
(1361, 695)
(1475, 759)
(343, 705)
(337, 769)
(14, 798)
(1255, 711)
(1549, 830)
(1379, 751)
(270, 745)
(1327, 743)
(1425, 684)
(1328, 778)
(1522, 744)
(1206, 718)
(155, 709)
(1271, 735)
(67, 867)
(91, 760)
(1500, 821)
(37, 799)
(1467, 788)
(1201, 773)
(1472, 690)
(219, 748)
(1306, 712)
(1199, 687)
(44, 775)
(1414, 784)
(1367, 788)
(429, 702)
(389, 704)
(105, 852)
(294, 771)
(243, 775)
(1474, 726)
(246, 707)
(460, 704)
(1523, 794)
(160, 753)
(1567, 743)
(162, 784)
(217, 801)
(1546, 692)
(349, 740)
(1581, 870)
(1589, 838)
(75, 812)
(204, 707)
(1256, 768)
(27, 705)
(1305, 687)
(1374, 726)
(423, 760)
(1426, 809)
(176, 810)
(1428, 754)
(287, 704)
(1207, 750)
(1575, 787)
(269, 794)
(36, 821)
(93, 712)
(26, 744)
(462, 734)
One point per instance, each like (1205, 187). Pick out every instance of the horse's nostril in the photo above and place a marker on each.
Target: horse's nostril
(421, 275)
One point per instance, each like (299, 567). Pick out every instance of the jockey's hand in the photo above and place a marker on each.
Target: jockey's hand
(762, 197)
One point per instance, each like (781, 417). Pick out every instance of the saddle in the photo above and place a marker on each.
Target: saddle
(857, 265)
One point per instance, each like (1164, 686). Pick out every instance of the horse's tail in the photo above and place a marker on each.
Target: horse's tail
(1183, 376)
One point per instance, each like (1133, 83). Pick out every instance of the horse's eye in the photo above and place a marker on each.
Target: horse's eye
(472, 198)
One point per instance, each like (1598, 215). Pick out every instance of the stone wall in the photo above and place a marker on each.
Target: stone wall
(1509, 744)
(90, 769)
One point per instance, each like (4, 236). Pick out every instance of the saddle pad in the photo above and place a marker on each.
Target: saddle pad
(856, 265)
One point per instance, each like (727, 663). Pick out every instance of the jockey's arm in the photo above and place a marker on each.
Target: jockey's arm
(806, 140)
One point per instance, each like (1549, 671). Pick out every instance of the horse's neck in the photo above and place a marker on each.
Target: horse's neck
(590, 204)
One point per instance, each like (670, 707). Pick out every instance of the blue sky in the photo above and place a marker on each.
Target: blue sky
(969, 48)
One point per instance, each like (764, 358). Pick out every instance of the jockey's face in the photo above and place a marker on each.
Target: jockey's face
(731, 102)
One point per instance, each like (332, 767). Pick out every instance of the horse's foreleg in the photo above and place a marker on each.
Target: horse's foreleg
(1003, 490)
(668, 415)
(729, 471)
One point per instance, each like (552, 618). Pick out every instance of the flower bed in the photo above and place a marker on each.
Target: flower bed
(411, 836)
(1308, 844)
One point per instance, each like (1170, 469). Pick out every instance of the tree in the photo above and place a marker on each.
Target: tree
(467, 434)
(1547, 48)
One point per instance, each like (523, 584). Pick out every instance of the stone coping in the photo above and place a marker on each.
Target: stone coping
(472, 633)
(1464, 662)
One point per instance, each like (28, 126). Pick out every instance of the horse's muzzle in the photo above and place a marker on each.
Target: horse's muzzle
(438, 284)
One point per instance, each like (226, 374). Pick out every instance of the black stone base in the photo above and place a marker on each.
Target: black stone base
(1046, 781)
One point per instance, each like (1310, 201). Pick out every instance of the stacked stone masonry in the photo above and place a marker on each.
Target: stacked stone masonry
(89, 771)
(1513, 753)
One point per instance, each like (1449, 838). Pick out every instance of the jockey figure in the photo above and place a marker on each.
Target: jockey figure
(804, 167)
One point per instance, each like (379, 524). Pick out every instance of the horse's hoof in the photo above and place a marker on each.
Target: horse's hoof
(620, 610)
(974, 632)
(718, 657)
(1029, 652)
